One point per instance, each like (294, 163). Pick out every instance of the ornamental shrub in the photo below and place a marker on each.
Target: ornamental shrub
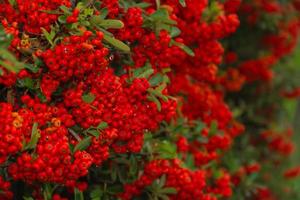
(164, 99)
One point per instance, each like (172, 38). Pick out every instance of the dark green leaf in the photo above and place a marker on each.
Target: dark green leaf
(96, 194)
(28, 83)
(28, 198)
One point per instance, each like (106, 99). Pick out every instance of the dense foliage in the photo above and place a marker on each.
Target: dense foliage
(131, 99)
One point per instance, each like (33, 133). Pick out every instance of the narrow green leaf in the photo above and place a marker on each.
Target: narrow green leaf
(162, 181)
(184, 48)
(182, 3)
(107, 23)
(116, 43)
(102, 125)
(66, 10)
(78, 195)
(146, 73)
(174, 32)
(103, 13)
(49, 35)
(94, 133)
(168, 190)
(32, 68)
(62, 19)
(28, 198)
(142, 5)
(35, 135)
(213, 128)
(12, 2)
(54, 12)
(83, 144)
(153, 98)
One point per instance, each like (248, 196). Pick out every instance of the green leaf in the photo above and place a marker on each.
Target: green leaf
(142, 5)
(174, 31)
(5, 39)
(66, 10)
(163, 197)
(185, 48)
(182, 3)
(49, 36)
(28, 198)
(107, 23)
(54, 12)
(103, 13)
(162, 181)
(35, 135)
(14, 65)
(28, 83)
(12, 2)
(62, 19)
(32, 68)
(116, 43)
(102, 125)
(168, 190)
(213, 128)
(162, 15)
(156, 79)
(83, 144)
(94, 133)
(166, 150)
(158, 92)
(199, 126)
(154, 99)
(41, 96)
(78, 195)
(146, 73)
(157, 3)
(88, 98)
(96, 194)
